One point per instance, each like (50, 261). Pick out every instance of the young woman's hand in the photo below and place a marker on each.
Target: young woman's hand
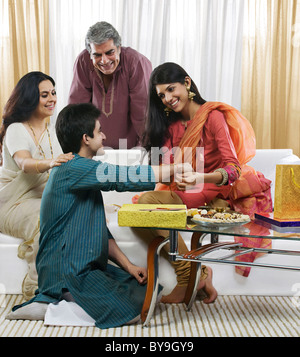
(188, 180)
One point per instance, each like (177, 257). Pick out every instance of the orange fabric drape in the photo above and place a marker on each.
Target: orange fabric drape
(240, 129)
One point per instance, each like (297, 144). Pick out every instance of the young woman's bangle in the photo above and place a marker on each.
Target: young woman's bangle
(224, 174)
(36, 166)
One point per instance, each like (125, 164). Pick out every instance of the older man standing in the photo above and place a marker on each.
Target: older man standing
(115, 79)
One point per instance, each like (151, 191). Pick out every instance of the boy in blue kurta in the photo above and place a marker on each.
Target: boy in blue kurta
(75, 243)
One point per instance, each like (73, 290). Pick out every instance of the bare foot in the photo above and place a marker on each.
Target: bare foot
(178, 293)
(208, 288)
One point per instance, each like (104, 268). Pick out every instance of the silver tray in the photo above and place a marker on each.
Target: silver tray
(220, 224)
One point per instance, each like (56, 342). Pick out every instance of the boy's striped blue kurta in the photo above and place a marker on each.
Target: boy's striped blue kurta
(73, 252)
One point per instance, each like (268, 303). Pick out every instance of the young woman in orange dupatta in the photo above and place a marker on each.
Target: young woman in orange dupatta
(179, 118)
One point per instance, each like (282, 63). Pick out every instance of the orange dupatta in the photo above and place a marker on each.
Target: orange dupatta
(240, 129)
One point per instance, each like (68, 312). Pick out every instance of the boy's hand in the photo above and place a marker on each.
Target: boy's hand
(139, 273)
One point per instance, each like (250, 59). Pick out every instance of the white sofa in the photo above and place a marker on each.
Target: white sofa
(268, 282)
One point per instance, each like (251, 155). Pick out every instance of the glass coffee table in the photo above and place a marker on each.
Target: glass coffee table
(200, 253)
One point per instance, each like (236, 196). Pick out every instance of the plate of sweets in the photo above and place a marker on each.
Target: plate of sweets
(208, 216)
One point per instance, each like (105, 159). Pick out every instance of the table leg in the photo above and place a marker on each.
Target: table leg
(195, 273)
(173, 245)
(152, 285)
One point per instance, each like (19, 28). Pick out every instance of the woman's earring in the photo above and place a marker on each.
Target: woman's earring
(167, 111)
(191, 95)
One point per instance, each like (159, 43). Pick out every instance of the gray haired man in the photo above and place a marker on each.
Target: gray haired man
(115, 79)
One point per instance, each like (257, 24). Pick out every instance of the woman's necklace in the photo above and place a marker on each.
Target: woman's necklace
(38, 144)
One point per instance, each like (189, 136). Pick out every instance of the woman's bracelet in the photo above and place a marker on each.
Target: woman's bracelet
(224, 174)
(36, 166)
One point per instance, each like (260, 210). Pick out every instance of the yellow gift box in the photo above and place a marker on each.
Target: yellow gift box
(287, 192)
(150, 215)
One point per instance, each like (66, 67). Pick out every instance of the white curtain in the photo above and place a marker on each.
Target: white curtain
(203, 36)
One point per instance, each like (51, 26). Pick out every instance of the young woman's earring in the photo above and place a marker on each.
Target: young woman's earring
(191, 95)
(167, 111)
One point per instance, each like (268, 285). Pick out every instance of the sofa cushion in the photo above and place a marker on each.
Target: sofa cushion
(5, 239)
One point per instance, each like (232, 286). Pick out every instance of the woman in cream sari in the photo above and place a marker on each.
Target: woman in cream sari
(29, 150)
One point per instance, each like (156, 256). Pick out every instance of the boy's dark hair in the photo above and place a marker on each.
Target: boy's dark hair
(73, 122)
